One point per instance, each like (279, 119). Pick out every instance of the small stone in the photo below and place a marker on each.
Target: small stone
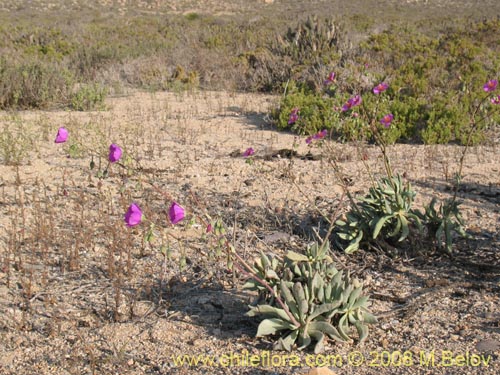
(384, 343)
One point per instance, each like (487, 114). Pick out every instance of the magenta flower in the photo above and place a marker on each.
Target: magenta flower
(387, 119)
(381, 87)
(115, 153)
(62, 135)
(491, 85)
(209, 228)
(321, 134)
(356, 100)
(176, 213)
(495, 100)
(330, 79)
(352, 102)
(133, 215)
(249, 152)
(294, 116)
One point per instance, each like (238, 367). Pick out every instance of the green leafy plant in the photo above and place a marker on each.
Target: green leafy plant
(443, 222)
(316, 113)
(385, 212)
(309, 300)
(89, 97)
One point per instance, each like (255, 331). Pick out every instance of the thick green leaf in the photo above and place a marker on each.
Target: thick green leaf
(342, 326)
(300, 297)
(319, 337)
(360, 302)
(354, 296)
(289, 300)
(269, 311)
(287, 342)
(329, 330)
(296, 257)
(380, 224)
(271, 274)
(323, 309)
(405, 231)
(369, 318)
(362, 331)
(273, 325)
(354, 245)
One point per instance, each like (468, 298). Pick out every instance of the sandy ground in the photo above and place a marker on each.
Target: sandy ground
(59, 312)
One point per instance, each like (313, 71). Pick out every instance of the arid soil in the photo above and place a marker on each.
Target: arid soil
(80, 293)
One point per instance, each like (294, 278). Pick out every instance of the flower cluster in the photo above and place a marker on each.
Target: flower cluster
(134, 216)
(352, 102)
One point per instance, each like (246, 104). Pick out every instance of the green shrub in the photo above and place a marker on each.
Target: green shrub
(16, 141)
(89, 97)
(33, 84)
(315, 112)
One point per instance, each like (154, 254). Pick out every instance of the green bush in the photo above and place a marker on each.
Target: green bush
(89, 97)
(33, 84)
(315, 112)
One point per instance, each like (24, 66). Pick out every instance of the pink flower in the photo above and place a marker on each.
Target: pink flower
(495, 100)
(330, 79)
(352, 102)
(381, 87)
(176, 213)
(294, 116)
(62, 135)
(491, 85)
(249, 152)
(133, 215)
(387, 119)
(321, 134)
(209, 228)
(115, 153)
